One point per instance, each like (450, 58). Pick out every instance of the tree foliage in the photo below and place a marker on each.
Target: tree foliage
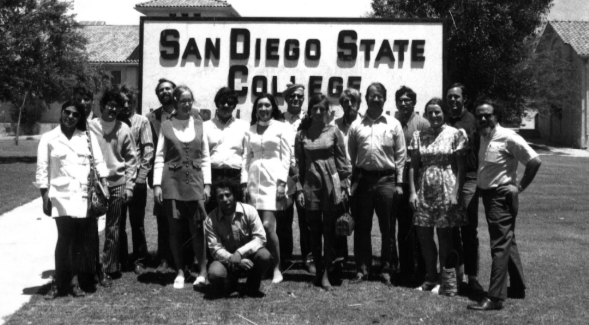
(486, 42)
(42, 52)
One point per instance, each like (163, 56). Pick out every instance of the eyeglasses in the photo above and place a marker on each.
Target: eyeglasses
(486, 116)
(297, 96)
(349, 100)
(72, 113)
(185, 102)
(373, 97)
(405, 100)
(230, 102)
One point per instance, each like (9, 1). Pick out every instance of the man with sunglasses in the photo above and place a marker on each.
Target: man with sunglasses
(119, 152)
(411, 263)
(501, 150)
(294, 96)
(225, 135)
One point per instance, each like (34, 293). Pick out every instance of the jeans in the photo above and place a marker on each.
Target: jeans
(466, 238)
(221, 278)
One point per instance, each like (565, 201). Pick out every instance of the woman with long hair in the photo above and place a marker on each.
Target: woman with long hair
(436, 177)
(323, 164)
(182, 178)
(63, 170)
(266, 162)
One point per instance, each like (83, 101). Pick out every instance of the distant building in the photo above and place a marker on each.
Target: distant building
(187, 8)
(571, 40)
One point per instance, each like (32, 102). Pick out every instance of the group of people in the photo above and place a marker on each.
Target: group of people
(225, 191)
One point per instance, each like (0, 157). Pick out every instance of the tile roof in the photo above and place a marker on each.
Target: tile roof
(112, 43)
(182, 3)
(575, 33)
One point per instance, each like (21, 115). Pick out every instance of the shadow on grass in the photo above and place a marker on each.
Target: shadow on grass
(163, 279)
(37, 290)
(16, 159)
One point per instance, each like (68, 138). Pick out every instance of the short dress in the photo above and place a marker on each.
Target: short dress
(266, 160)
(322, 162)
(437, 177)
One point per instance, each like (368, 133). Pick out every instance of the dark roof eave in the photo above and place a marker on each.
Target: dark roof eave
(115, 62)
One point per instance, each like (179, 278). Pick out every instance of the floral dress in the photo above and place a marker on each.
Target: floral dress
(437, 177)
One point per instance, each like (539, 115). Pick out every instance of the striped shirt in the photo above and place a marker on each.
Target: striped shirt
(141, 131)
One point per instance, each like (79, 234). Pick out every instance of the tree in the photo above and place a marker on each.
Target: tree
(42, 54)
(486, 42)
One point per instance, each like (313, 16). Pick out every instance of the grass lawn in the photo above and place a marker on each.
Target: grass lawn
(552, 237)
(17, 170)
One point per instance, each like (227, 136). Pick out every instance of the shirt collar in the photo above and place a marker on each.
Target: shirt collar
(497, 128)
(293, 117)
(238, 211)
(382, 116)
(223, 123)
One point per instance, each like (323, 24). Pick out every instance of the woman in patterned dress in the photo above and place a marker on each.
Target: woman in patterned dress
(436, 176)
(264, 172)
(321, 156)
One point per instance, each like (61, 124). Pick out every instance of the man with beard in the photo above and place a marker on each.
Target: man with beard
(83, 98)
(377, 152)
(141, 131)
(411, 263)
(119, 152)
(164, 90)
(500, 151)
(236, 239)
(294, 96)
(466, 238)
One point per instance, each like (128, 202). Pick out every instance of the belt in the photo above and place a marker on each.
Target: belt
(231, 172)
(377, 173)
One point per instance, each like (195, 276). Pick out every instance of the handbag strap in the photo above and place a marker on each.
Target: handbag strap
(92, 162)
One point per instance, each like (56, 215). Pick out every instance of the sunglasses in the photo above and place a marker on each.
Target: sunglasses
(72, 113)
(296, 96)
(486, 116)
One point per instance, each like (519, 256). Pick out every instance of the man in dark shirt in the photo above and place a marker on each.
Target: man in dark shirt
(411, 264)
(466, 238)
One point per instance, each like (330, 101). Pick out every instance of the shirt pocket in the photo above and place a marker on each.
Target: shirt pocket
(494, 153)
(388, 138)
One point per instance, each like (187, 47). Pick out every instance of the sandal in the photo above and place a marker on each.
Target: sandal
(427, 286)
(200, 281)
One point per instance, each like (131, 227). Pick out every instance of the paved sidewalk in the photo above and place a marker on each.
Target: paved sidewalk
(27, 247)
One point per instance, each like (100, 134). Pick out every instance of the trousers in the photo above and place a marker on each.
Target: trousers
(221, 278)
(112, 244)
(137, 219)
(375, 194)
(501, 209)
(76, 249)
(466, 238)
(410, 258)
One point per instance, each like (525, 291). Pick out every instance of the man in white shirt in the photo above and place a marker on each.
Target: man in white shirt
(225, 135)
(500, 152)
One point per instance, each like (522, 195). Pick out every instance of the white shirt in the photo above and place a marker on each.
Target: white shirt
(226, 142)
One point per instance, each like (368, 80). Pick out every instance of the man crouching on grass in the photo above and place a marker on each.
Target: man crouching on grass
(236, 239)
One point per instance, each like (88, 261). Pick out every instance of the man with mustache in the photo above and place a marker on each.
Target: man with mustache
(500, 151)
(119, 152)
(141, 131)
(377, 152)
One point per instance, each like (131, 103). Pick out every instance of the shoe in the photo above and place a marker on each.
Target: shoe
(310, 266)
(200, 281)
(139, 269)
(53, 292)
(514, 293)
(277, 278)
(358, 278)
(386, 279)
(76, 292)
(163, 267)
(105, 280)
(474, 287)
(179, 282)
(486, 304)
(427, 286)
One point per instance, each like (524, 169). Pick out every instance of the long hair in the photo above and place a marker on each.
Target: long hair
(317, 99)
(178, 91)
(275, 111)
(81, 125)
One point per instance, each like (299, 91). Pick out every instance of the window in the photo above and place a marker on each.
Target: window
(197, 15)
(184, 15)
(172, 15)
(116, 77)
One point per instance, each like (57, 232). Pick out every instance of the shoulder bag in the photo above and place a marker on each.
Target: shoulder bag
(97, 201)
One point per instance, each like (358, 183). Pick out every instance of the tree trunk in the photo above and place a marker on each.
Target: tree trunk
(19, 116)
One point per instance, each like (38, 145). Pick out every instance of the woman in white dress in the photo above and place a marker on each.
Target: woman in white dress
(267, 155)
(63, 169)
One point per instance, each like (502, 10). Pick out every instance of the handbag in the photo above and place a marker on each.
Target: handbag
(97, 201)
(344, 225)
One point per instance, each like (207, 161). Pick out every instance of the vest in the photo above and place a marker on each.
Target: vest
(182, 177)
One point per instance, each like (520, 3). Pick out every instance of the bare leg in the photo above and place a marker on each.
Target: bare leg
(269, 221)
